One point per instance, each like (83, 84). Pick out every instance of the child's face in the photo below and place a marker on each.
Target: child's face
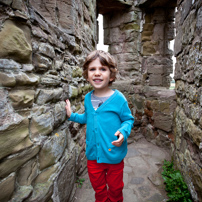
(98, 75)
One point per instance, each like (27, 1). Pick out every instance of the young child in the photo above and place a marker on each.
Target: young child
(109, 122)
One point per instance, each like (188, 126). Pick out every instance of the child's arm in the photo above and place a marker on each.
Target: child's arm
(79, 118)
(127, 122)
(68, 108)
(120, 140)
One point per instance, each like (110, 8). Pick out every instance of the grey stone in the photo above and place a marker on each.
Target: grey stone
(163, 122)
(22, 98)
(26, 175)
(26, 79)
(7, 79)
(9, 64)
(7, 186)
(52, 150)
(132, 152)
(42, 63)
(6, 2)
(65, 179)
(44, 96)
(156, 198)
(15, 44)
(22, 193)
(14, 137)
(137, 180)
(41, 125)
(12, 163)
(144, 191)
(47, 50)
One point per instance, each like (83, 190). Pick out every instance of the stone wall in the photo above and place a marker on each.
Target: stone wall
(42, 47)
(138, 36)
(188, 76)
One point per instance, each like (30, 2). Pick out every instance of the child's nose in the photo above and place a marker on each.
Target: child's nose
(97, 72)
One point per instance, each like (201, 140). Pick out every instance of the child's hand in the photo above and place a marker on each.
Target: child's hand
(68, 108)
(120, 140)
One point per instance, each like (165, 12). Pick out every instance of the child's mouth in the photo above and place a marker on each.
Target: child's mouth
(97, 80)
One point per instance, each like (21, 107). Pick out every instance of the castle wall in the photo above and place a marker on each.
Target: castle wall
(42, 47)
(188, 76)
(139, 37)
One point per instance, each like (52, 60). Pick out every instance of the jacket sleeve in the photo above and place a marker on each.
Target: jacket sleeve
(79, 118)
(127, 121)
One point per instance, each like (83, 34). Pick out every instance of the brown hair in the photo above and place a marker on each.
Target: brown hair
(105, 58)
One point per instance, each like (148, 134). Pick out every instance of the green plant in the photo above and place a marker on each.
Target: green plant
(176, 188)
(79, 181)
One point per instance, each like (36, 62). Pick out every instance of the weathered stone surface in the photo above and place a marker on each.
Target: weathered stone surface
(62, 33)
(7, 186)
(65, 179)
(15, 44)
(14, 137)
(12, 163)
(44, 185)
(8, 64)
(22, 98)
(6, 2)
(59, 113)
(27, 173)
(7, 79)
(22, 193)
(28, 67)
(52, 150)
(155, 80)
(159, 92)
(194, 132)
(42, 63)
(47, 50)
(41, 125)
(162, 121)
(44, 96)
(26, 79)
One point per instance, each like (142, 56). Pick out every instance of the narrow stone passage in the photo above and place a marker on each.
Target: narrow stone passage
(142, 175)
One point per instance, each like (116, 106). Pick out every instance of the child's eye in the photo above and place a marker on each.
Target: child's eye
(92, 69)
(103, 69)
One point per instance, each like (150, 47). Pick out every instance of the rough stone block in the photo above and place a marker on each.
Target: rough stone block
(26, 79)
(193, 131)
(22, 193)
(12, 163)
(46, 50)
(15, 45)
(155, 80)
(157, 69)
(14, 137)
(52, 150)
(22, 98)
(149, 48)
(9, 64)
(42, 63)
(41, 125)
(162, 121)
(65, 179)
(7, 187)
(27, 173)
(44, 96)
(7, 79)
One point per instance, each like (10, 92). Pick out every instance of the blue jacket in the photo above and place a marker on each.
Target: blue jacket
(113, 115)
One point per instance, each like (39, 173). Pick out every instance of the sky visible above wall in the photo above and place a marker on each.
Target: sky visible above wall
(100, 45)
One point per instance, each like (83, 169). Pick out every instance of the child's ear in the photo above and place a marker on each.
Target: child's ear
(111, 79)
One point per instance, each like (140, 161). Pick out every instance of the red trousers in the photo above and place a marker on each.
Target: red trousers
(106, 180)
